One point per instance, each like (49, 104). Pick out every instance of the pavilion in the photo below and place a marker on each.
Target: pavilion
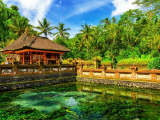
(29, 49)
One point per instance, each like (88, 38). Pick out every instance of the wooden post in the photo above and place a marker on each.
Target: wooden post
(36, 56)
(23, 57)
(56, 59)
(44, 57)
(9, 57)
(30, 57)
(0, 71)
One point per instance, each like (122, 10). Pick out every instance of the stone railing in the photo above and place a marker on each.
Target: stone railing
(41, 68)
(133, 73)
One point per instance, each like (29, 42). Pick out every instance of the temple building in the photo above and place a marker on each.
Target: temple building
(29, 49)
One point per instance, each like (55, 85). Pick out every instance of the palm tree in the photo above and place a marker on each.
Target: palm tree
(61, 31)
(114, 20)
(45, 27)
(86, 35)
(18, 26)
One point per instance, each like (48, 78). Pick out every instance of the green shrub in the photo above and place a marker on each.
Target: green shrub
(98, 57)
(106, 62)
(70, 59)
(122, 67)
(154, 63)
(65, 62)
(136, 61)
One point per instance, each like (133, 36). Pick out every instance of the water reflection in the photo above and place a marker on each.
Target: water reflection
(92, 101)
(121, 93)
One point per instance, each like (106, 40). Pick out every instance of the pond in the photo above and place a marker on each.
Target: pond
(80, 101)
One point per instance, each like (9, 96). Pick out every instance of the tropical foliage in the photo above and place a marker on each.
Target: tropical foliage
(136, 33)
(44, 27)
(61, 31)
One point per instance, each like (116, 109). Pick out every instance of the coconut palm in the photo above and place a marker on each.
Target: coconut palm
(61, 31)
(44, 27)
(86, 35)
(18, 26)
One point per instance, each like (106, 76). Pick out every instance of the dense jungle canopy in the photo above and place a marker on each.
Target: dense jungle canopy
(135, 34)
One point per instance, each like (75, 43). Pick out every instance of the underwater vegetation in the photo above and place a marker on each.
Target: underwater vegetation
(39, 103)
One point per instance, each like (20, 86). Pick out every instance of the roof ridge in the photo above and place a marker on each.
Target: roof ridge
(32, 41)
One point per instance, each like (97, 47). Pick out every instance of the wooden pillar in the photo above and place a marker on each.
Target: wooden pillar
(44, 57)
(36, 56)
(30, 57)
(9, 57)
(23, 57)
(56, 59)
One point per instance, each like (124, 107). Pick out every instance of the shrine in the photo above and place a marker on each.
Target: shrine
(29, 49)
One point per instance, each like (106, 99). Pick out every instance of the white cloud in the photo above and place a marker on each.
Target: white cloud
(123, 6)
(60, 2)
(58, 5)
(38, 7)
(34, 10)
(87, 6)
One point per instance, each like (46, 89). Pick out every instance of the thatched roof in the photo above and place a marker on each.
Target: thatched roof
(34, 42)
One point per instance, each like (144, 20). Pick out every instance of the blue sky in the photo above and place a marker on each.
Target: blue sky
(73, 13)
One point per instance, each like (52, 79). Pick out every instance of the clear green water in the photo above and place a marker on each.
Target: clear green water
(80, 101)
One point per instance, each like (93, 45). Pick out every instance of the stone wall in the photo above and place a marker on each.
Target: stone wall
(26, 81)
(150, 85)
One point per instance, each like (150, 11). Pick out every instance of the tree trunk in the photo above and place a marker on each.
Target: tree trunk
(112, 62)
(87, 52)
(133, 52)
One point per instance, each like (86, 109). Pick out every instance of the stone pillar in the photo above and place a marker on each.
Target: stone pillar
(153, 76)
(134, 74)
(117, 75)
(15, 69)
(60, 58)
(80, 70)
(103, 73)
(97, 62)
(91, 73)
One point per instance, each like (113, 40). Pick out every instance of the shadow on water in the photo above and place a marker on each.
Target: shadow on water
(81, 101)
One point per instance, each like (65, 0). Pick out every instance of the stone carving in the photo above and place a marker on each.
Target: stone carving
(55, 69)
(5, 71)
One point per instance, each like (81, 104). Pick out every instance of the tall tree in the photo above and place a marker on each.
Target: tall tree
(86, 34)
(14, 7)
(61, 31)
(44, 27)
(19, 26)
(7, 15)
(152, 7)
(114, 20)
(105, 22)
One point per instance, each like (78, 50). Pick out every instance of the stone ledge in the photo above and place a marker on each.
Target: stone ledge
(137, 84)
